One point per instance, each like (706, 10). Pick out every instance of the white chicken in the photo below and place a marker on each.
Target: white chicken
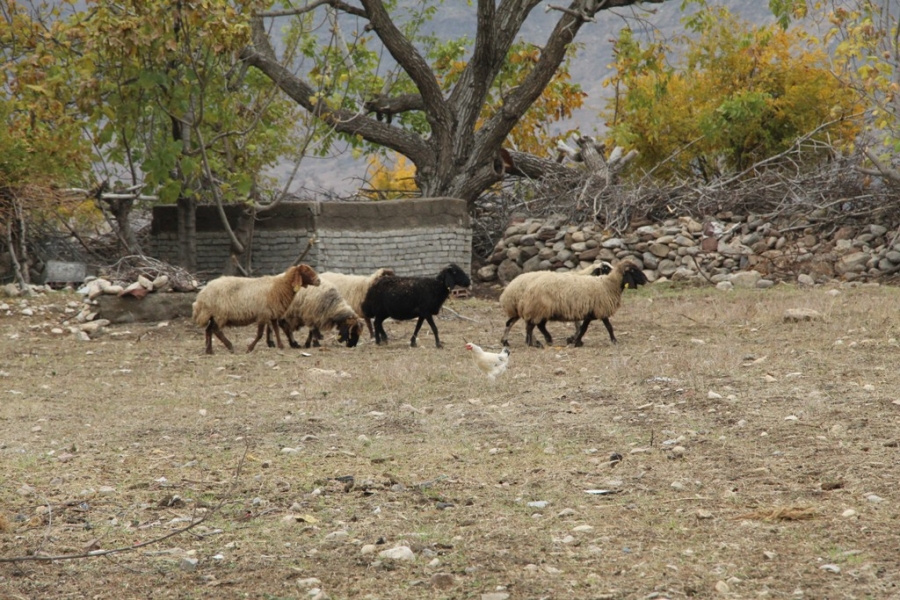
(492, 363)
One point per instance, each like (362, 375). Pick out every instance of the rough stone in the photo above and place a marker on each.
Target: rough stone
(667, 267)
(487, 273)
(745, 279)
(659, 250)
(795, 315)
(152, 308)
(852, 263)
(507, 271)
(805, 280)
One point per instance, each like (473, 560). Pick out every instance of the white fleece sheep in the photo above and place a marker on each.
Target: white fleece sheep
(561, 297)
(511, 298)
(243, 301)
(321, 309)
(354, 288)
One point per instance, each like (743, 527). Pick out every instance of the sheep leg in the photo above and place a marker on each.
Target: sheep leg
(529, 336)
(542, 326)
(612, 336)
(260, 329)
(313, 338)
(572, 337)
(380, 334)
(213, 328)
(278, 342)
(437, 339)
(270, 342)
(412, 340)
(584, 325)
(369, 326)
(289, 334)
(504, 339)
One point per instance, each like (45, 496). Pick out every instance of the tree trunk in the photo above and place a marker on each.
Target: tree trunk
(121, 211)
(240, 259)
(458, 156)
(187, 233)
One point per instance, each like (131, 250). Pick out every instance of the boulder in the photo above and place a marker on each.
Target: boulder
(487, 273)
(150, 308)
(745, 279)
(507, 271)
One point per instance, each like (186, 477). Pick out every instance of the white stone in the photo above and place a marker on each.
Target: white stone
(403, 553)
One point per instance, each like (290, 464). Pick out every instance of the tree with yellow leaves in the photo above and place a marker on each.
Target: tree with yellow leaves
(739, 95)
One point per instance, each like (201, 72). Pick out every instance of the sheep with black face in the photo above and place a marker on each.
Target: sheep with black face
(511, 298)
(559, 297)
(320, 308)
(405, 298)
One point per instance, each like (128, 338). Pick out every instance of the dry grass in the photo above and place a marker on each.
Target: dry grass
(446, 462)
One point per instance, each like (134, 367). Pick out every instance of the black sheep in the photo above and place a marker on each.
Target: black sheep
(405, 298)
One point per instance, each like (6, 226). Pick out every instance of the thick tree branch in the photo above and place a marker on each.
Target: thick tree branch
(336, 4)
(261, 56)
(437, 111)
(880, 169)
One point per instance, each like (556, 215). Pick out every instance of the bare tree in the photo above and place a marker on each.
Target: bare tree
(459, 156)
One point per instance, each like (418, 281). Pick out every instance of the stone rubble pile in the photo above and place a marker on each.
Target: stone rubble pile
(730, 250)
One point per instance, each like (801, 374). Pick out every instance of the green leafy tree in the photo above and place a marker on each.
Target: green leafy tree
(41, 137)
(166, 97)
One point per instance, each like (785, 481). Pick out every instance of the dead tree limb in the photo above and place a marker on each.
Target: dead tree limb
(96, 553)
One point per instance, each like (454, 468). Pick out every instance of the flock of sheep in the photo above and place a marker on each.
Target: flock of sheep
(324, 301)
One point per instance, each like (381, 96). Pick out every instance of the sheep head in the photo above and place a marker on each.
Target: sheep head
(302, 276)
(632, 276)
(452, 276)
(349, 331)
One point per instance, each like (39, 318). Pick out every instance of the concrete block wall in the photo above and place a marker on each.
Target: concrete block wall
(272, 251)
(414, 237)
(419, 251)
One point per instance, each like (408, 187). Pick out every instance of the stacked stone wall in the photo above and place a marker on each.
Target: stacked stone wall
(726, 250)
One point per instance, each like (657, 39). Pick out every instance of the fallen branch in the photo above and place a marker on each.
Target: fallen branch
(96, 553)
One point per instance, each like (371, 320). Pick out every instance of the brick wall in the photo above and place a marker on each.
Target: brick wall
(414, 237)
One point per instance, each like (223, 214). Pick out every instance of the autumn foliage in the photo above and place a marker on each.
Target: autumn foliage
(739, 94)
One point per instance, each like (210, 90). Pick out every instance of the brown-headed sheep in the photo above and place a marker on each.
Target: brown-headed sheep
(561, 297)
(239, 301)
(353, 289)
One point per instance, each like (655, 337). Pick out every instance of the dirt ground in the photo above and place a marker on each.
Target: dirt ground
(759, 457)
